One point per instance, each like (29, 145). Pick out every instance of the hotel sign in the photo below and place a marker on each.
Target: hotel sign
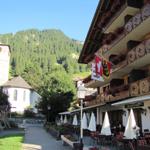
(140, 104)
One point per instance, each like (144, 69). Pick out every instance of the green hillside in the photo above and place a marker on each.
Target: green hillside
(36, 54)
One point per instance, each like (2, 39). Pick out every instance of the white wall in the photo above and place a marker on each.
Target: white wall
(125, 117)
(4, 63)
(146, 118)
(98, 116)
(20, 104)
(34, 98)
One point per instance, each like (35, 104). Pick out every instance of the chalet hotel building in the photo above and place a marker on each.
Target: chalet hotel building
(120, 33)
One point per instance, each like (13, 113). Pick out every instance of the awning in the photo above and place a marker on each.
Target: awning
(78, 110)
(64, 113)
(89, 107)
(132, 100)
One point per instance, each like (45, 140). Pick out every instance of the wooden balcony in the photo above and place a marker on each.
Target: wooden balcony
(137, 88)
(94, 102)
(120, 95)
(141, 59)
(135, 30)
(118, 19)
(140, 87)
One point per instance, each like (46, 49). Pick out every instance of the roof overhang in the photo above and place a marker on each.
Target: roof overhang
(132, 100)
(89, 107)
(92, 43)
(64, 113)
(78, 110)
(3, 45)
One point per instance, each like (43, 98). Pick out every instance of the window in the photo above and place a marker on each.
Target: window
(24, 95)
(15, 95)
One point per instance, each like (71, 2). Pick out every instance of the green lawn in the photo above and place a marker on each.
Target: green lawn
(13, 142)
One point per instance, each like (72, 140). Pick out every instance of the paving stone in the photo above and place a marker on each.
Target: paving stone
(38, 136)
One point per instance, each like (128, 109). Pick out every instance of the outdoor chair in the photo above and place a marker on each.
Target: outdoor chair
(147, 137)
(105, 140)
(101, 139)
(126, 144)
(143, 147)
(108, 140)
(141, 142)
(119, 136)
(95, 137)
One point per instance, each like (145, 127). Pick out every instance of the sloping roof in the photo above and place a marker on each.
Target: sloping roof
(132, 100)
(5, 45)
(92, 43)
(17, 82)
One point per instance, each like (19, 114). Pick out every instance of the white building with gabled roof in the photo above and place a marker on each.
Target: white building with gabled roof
(20, 95)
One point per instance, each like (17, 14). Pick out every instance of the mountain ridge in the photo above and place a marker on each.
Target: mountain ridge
(37, 53)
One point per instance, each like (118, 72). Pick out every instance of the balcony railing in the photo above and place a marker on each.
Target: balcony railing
(135, 54)
(137, 58)
(134, 29)
(118, 11)
(137, 88)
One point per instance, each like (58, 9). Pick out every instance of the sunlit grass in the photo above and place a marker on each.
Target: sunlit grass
(12, 142)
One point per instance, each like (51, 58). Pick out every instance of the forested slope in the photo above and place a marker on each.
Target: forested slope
(36, 54)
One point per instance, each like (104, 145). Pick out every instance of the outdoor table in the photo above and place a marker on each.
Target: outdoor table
(95, 136)
(104, 139)
(101, 139)
(132, 143)
(143, 147)
(147, 137)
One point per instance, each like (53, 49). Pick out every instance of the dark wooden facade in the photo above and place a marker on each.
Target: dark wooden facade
(120, 32)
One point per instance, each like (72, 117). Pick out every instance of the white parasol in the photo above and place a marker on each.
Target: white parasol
(106, 125)
(84, 121)
(92, 124)
(75, 121)
(61, 119)
(65, 119)
(130, 132)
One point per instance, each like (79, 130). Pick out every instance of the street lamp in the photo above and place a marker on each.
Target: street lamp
(49, 108)
(81, 95)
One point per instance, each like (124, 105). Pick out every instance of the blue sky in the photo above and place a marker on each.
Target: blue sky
(73, 17)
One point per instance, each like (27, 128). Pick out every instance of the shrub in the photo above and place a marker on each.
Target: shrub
(28, 113)
(13, 124)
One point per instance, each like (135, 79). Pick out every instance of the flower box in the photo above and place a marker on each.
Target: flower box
(71, 141)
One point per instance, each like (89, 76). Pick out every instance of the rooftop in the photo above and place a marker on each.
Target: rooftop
(17, 82)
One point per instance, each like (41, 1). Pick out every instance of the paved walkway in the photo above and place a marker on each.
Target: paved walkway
(36, 135)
